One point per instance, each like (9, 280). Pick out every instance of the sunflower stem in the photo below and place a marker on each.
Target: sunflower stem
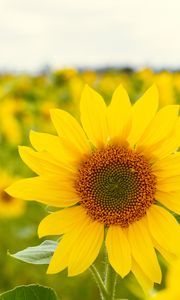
(110, 282)
(99, 282)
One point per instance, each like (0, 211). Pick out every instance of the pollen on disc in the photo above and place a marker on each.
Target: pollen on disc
(115, 185)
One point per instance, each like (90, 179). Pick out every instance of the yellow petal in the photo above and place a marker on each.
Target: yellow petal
(167, 167)
(143, 112)
(94, 116)
(168, 184)
(60, 258)
(166, 147)
(118, 250)
(164, 295)
(59, 148)
(69, 128)
(169, 199)
(61, 221)
(143, 251)
(86, 248)
(164, 229)
(172, 280)
(119, 114)
(143, 280)
(43, 163)
(169, 257)
(50, 191)
(44, 141)
(161, 126)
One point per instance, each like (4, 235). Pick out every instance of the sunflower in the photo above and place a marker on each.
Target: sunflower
(9, 206)
(116, 179)
(10, 127)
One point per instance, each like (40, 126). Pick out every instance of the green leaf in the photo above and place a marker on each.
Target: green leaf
(38, 255)
(30, 292)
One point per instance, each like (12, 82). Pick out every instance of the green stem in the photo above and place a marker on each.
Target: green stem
(99, 282)
(110, 282)
(107, 288)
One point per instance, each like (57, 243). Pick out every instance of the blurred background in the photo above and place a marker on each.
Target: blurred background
(48, 51)
(91, 33)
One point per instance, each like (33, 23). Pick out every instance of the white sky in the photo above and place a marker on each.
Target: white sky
(61, 33)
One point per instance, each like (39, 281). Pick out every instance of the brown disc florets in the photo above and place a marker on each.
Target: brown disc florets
(116, 185)
(5, 197)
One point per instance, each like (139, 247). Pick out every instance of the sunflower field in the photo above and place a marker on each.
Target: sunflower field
(26, 101)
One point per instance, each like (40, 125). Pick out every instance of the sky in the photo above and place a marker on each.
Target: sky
(89, 33)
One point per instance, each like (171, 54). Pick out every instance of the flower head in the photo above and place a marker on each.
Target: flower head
(120, 171)
(9, 206)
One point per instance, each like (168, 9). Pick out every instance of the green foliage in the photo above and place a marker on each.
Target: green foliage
(30, 292)
(37, 255)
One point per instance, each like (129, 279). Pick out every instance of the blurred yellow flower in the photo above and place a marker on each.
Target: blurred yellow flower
(164, 81)
(75, 88)
(146, 75)
(176, 81)
(45, 108)
(107, 83)
(10, 127)
(9, 206)
(62, 75)
(116, 173)
(89, 77)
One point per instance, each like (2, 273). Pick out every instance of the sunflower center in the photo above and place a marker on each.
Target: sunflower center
(5, 197)
(116, 185)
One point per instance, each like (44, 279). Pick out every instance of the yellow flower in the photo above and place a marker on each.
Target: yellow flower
(119, 172)
(9, 206)
(10, 127)
(164, 81)
(89, 76)
(172, 291)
